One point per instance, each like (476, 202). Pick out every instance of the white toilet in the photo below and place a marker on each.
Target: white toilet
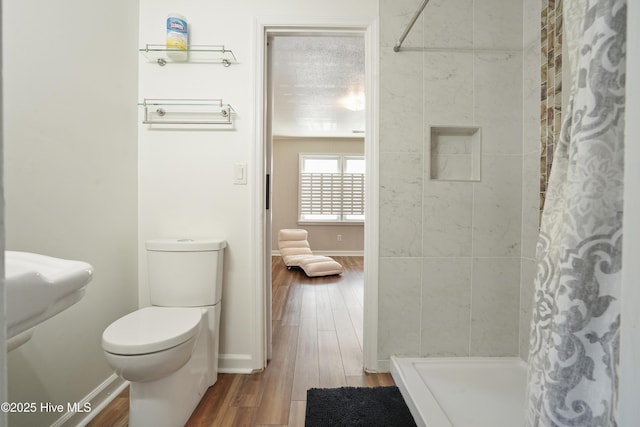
(169, 351)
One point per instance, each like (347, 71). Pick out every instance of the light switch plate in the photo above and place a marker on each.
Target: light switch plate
(240, 174)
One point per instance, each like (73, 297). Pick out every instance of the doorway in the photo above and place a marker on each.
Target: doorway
(268, 128)
(316, 111)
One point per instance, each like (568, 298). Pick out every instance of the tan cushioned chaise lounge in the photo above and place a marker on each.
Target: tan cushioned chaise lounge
(296, 252)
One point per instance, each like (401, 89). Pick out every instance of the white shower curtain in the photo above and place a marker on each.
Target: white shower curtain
(574, 351)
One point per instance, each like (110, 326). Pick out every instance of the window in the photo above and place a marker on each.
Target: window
(331, 188)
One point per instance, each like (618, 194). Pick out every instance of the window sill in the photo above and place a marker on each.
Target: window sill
(341, 223)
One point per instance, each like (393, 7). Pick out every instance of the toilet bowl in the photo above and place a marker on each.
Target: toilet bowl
(169, 351)
(152, 342)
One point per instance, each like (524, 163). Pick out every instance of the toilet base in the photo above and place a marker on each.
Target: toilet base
(167, 402)
(170, 401)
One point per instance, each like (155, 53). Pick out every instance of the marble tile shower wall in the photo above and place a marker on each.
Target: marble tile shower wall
(531, 166)
(451, 252)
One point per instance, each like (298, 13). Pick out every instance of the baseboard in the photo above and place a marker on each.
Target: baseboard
(235, 364)
(93, 403)
(384, 366)
(328, 253)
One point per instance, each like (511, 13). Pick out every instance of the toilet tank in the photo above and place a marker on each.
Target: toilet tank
(185, 272)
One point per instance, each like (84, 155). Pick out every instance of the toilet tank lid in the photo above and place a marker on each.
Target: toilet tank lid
(185, 244)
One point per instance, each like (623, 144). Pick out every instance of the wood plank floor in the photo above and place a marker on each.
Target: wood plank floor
(317, 342)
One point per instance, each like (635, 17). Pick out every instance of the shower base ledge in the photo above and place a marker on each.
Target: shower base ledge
(463, 392)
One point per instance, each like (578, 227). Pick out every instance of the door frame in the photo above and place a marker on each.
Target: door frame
(264, 27)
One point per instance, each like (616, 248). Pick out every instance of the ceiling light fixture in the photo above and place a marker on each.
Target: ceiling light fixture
(354, 101)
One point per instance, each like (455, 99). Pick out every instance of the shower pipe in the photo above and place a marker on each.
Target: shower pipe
(396, 48)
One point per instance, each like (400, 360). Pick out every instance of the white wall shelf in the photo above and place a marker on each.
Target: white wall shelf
(212, 54)
(187, 112)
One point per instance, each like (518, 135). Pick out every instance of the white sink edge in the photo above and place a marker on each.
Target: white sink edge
(39, 287)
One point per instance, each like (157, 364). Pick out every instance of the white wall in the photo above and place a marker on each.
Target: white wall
(3, 329)
(186, 176)
(70, 179)
(630, 339)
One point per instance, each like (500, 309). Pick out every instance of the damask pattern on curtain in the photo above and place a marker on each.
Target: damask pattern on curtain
(574, 342)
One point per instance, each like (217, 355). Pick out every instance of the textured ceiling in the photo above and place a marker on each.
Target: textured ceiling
(318, 85)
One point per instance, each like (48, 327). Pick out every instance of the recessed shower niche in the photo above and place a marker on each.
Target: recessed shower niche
(455, 153)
